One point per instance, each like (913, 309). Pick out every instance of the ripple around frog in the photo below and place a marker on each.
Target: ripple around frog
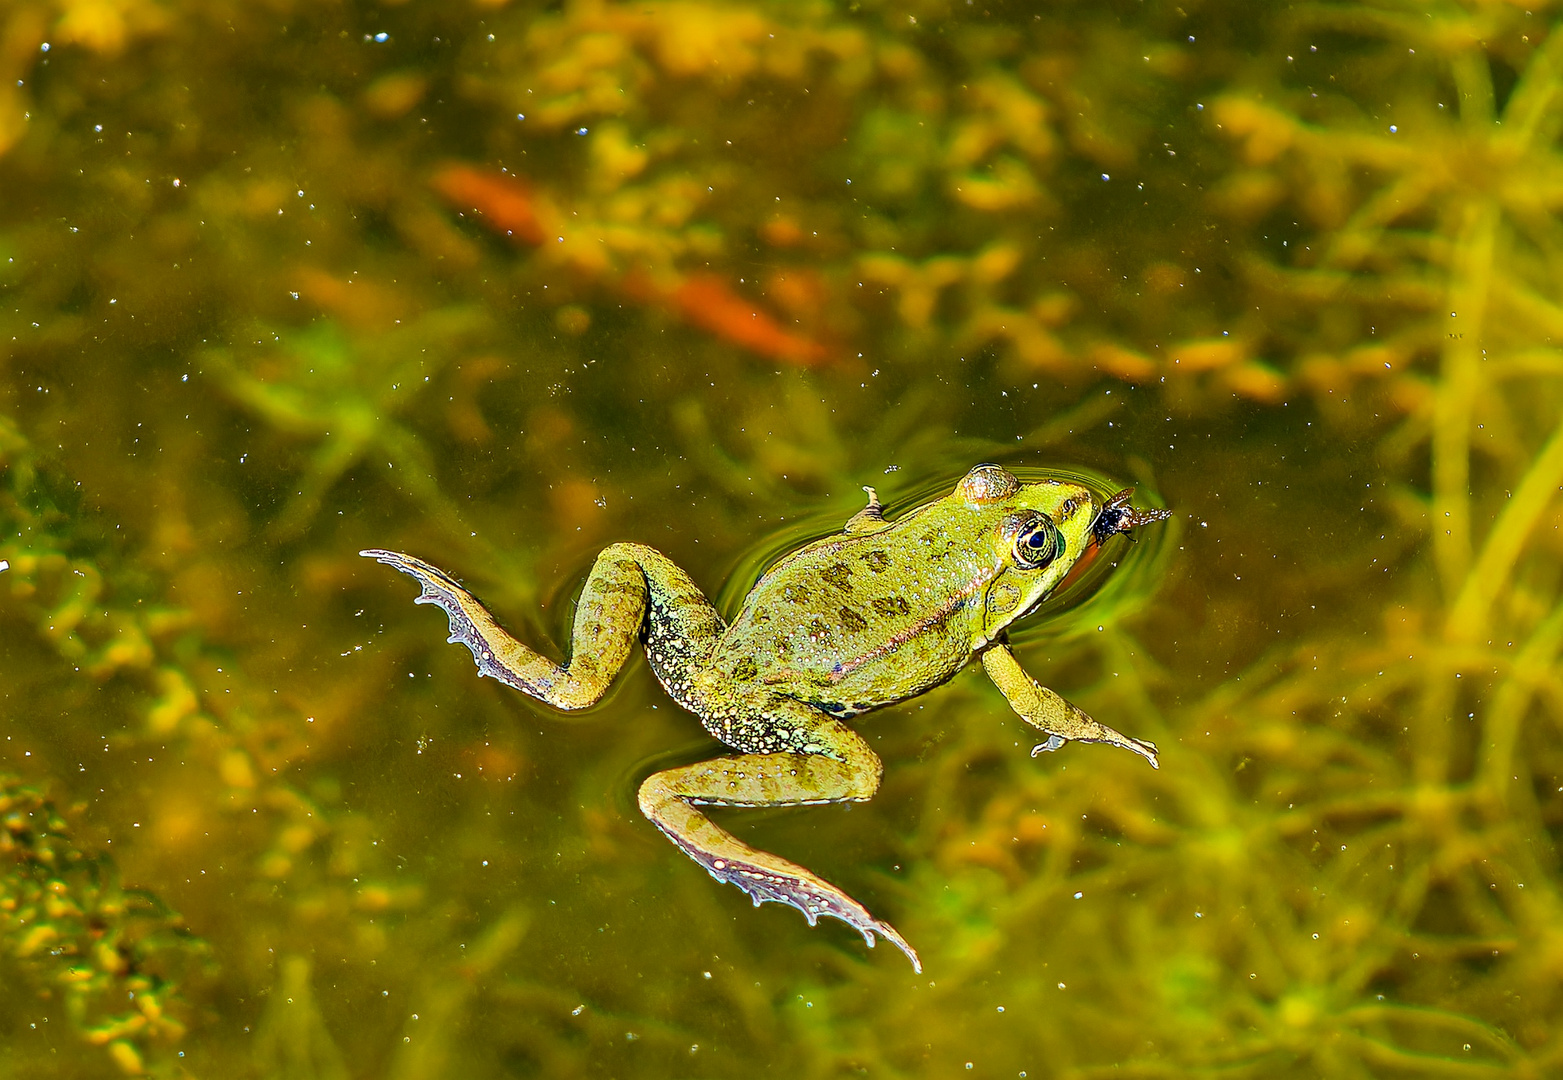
(1115, 585)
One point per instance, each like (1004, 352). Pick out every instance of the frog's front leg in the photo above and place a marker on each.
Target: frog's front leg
(820, 760)
(608, 619)
(1046, 710)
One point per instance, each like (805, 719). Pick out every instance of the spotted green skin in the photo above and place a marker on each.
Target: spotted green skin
(886, 611)
(878, 614)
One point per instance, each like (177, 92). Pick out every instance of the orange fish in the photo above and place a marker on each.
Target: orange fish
(706, 301)
(508, 205)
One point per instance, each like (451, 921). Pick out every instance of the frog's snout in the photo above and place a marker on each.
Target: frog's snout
(1118, 516)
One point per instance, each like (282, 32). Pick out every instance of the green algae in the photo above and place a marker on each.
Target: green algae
(1292, 270)
(113, 957)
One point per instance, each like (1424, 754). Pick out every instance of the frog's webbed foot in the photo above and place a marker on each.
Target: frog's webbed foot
(609, 615)
(470, 622)
(669, 800)
(811, 895)
(1144, 747)
(607, 619)
(1045, 709)
(767, 878)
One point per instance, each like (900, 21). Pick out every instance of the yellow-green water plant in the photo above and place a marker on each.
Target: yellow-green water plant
(112, 958)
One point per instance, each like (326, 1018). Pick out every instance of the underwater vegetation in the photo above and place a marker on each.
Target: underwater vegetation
(69, 926)
(499, 283)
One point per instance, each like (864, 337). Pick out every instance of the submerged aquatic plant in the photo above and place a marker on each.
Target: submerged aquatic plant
(118, 958)
(114, 957)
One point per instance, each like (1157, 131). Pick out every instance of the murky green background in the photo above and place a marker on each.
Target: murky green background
(1296, 270)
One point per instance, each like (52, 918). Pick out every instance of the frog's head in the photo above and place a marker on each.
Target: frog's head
(1040, 533)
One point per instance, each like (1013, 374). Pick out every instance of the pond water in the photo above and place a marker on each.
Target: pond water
(501, 283)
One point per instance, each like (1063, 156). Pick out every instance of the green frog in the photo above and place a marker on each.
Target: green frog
(877, 614)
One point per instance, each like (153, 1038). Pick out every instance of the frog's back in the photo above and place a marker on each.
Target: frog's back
(860, 619)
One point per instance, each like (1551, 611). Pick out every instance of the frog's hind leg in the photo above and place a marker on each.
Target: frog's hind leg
(820, 760)
(608, 620)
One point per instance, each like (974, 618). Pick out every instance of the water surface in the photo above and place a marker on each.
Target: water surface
(500, 283)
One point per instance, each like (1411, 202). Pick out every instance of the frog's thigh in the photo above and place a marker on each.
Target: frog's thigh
(1046, 710)
(851, 773)
(607, 621)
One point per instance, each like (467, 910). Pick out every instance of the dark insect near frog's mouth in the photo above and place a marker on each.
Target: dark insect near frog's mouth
(1117, 516)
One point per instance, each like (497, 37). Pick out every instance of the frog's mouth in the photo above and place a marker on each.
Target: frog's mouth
(1115, 517)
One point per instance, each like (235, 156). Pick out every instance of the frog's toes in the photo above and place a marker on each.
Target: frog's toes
(440, 589)
(437, 584)
(1054, 742)
(798, 888)
(470, 623)
(1144, 747)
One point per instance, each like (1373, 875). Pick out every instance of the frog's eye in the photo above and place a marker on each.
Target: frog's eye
(1038, 544)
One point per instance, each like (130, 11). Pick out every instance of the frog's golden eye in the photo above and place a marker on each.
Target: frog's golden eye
(1038, 544)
